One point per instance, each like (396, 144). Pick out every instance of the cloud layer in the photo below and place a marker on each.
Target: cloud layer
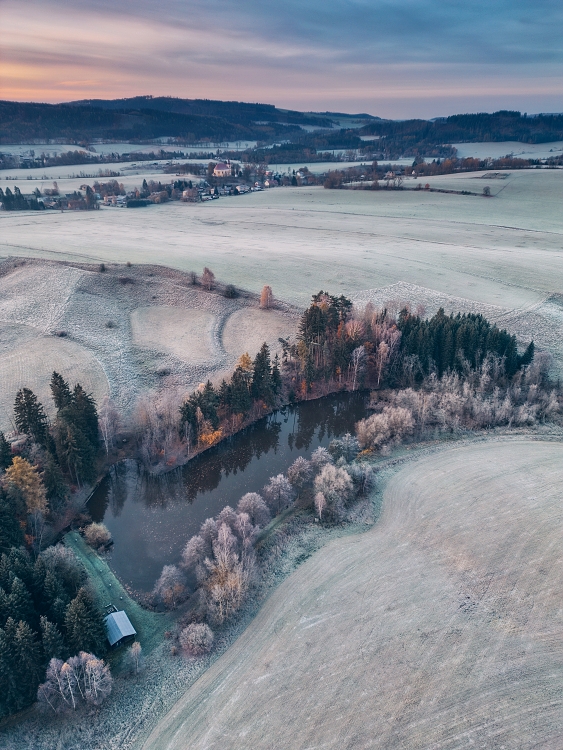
(394, 58)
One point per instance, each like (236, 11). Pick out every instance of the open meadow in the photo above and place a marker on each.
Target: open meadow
(438, 628)
(121, 332)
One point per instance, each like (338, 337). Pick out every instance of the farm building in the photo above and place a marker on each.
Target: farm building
(119, 629)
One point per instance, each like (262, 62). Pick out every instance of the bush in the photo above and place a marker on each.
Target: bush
(97, 535)
(230, 292)
(197, 639)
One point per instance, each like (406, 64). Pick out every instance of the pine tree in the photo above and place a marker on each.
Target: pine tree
(5, 452)
(60, 391)
(261, 387)
(26, 651)
(9, 688)
(21, 604)
(29, 415)
(276, 377)
(11, 534)
(85, 414)
(84, 625)
(52, 641)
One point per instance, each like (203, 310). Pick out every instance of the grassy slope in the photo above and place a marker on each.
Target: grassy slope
(441, 627)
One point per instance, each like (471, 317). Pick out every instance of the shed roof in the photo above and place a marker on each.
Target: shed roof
(118, 626)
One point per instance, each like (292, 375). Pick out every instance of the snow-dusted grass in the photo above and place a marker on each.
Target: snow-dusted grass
(513, 148)
(187, 334)
(440, 627)
(247, 329)
(126, 331)
(31, 364)
(504, 251)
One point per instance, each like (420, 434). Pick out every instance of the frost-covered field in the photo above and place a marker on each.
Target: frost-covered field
(505, 251)
(504, 148)
(438, 628)
(121, 332)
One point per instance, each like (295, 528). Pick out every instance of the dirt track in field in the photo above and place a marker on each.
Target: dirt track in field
(440, 628)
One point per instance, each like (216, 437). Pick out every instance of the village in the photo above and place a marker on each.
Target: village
(192, 183)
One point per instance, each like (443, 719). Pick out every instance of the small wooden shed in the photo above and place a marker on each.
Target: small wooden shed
(119, 629)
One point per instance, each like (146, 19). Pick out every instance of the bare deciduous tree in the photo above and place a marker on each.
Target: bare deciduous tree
(335, 485)
(320, 504)
(82, 678)
(300, 472)
(134, 657)
(109, 422)
(319, 458)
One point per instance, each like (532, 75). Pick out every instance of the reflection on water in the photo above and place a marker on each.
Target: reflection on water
(151, 518)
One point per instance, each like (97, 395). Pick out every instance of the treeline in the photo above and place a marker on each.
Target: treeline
(451, 343)
(369, 176)
(24, 122)
(222, 559)
(416, 137)
(15, 201)
(337, 348)
(255, 387)
(47, 610)
(340, 346)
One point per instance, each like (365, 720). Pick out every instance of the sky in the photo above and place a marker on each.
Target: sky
(391, 58)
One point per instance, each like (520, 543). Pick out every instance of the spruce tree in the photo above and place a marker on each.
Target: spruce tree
(276, 377)
(261, 387)
(4, 607)
(21, 604)
(9, 687)
(27, 655)
(85, 414)
(84, 625)
(11, 534)
(60, 391)
(5, 452)
(52, 641)
(29, 415)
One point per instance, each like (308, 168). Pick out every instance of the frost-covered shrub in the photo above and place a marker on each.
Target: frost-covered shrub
(319, 458)
(278, 493)
(196, 639)
(170, 589)
(97, 535)
(300, 472)
(253, 504)
(335, 485)
(363, 477)
(346, 447)
(391, 426)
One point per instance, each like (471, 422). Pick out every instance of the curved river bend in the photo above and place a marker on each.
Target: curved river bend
(151, 518)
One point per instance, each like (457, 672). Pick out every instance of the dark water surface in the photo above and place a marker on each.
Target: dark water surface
(151, 518)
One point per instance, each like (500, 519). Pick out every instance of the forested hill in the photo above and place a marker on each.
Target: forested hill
(242, 113)
(144, 118)
(499, 126)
